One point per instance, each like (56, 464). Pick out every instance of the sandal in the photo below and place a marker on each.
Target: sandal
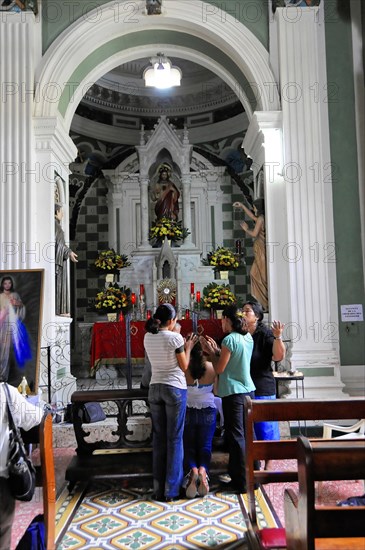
(191, 488)
(203, 485)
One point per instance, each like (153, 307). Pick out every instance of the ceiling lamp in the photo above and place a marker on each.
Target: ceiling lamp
(162, 74)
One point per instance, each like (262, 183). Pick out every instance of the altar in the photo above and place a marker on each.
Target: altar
(121, 343)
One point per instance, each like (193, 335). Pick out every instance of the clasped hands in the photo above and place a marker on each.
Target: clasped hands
(209, 345)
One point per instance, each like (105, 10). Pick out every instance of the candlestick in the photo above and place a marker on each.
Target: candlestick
(133, 300)
(238, 247)
(142, 306)
(141, 290)
(191, 288)
(187, 314)
(149, 314)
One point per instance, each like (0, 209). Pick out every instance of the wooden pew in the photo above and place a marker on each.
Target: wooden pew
(284, 410)
(110, 457)
(316, 527)
(117, 456)
(42, 435)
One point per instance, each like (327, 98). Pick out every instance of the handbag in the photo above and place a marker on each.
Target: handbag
(20, 467)
(92, 412)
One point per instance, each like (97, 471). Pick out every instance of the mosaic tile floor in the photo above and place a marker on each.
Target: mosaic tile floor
(111, 517)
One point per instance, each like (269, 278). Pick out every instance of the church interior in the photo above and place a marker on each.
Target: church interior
(148, 181)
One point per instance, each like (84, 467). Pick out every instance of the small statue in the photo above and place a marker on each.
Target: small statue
(153, 7)
(62, 254)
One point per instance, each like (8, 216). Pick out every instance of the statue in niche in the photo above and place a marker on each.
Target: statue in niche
(62, 254)
(153, 7)
(258, 273)
(166, 195)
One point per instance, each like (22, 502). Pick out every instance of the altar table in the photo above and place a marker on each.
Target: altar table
(122, 342)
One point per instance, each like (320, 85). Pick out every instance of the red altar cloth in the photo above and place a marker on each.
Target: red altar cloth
(109, 340)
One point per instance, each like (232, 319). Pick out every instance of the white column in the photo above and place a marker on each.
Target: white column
(308, 252)
(18, 170)
(54, 151)
(186, 206)
(144, 212)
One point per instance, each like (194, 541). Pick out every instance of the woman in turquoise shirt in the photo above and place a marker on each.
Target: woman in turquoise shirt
(232, 363)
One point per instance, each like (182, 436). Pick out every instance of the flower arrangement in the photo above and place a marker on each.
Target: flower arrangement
(112, 299)
(217, 296)
(111, 262)
(172, 230)
(222, 258)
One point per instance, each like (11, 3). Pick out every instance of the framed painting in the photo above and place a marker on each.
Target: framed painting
(21, 306)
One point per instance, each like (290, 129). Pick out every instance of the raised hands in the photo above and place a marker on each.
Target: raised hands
(277, 328)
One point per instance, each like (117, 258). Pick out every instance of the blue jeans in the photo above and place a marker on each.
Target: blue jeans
(168, 406)
(267, 431)
(199, 430)
(234, 424)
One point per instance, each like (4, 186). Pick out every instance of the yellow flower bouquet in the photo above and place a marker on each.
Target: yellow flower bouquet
(164, 227)
(109, 261)
(222, 258)
(217, 296)
(113, 299)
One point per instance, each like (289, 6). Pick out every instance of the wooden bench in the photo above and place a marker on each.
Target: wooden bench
(42, 435)
(316, 527)
(111, 454)
(283, 410)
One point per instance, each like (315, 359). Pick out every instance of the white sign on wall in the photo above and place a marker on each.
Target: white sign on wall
(351, 313)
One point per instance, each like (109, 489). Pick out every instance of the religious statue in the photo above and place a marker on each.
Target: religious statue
(153, 7)
(62, 254)
(166, 195)
(258, 273)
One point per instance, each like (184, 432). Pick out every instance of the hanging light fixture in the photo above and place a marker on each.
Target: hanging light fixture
(162, 74)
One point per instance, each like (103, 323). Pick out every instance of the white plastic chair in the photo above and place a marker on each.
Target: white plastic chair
(350, 432)
(356, 431)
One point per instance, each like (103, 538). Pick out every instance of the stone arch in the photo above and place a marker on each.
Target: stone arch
(63, 78)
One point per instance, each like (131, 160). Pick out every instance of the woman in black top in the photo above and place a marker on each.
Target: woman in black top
(267, 347)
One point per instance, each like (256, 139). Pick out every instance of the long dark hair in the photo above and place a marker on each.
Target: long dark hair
(257, 309)
(197, 365)
(6, 278)
(260, 206)
(163, 314)
(231, 313)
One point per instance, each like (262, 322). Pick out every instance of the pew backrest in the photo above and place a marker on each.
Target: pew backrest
(307, 521)
(286, 410)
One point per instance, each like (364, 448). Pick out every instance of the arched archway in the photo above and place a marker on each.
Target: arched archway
(235, 54)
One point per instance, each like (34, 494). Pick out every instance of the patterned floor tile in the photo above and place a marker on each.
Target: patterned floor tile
(136, 539)
(172, 523)
(113, 519)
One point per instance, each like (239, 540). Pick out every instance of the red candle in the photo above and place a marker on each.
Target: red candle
(121, 317)
(133, 298)
(198, 296)
(191, 288)
(141, 290)
(187, 314)
(148, 314)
